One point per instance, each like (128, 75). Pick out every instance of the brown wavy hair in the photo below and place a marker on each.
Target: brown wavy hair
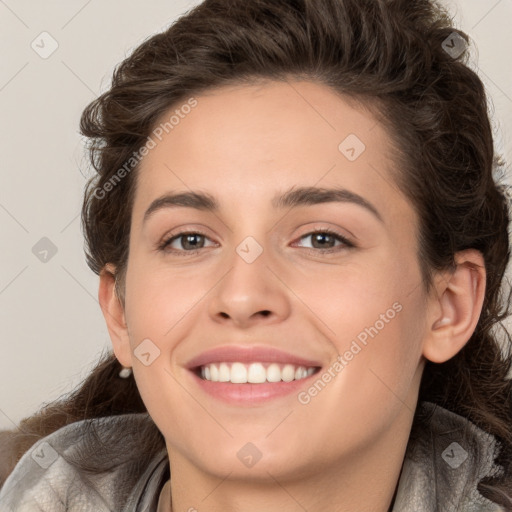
(389, 56)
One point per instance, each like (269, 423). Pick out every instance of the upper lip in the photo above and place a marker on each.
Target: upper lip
(251, 354)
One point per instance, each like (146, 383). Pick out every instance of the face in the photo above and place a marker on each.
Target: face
(329, 282)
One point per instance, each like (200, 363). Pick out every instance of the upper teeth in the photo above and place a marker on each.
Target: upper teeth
(254, 373)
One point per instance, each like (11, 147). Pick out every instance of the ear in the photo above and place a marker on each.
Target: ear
(113, 312)
(455, 307)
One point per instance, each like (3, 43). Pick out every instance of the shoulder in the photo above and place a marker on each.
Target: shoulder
(446, 457)
(93, 464)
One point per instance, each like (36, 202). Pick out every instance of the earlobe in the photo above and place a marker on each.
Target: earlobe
(114, 315)
(456, 305)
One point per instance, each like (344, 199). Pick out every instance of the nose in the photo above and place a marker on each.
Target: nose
(250, 293)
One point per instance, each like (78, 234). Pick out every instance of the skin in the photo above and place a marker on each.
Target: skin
(344, 449)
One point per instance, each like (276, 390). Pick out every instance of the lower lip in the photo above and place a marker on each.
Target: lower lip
(250, 394)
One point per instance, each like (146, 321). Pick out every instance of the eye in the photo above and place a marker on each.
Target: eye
(191, 242)
(187, 242)
(325, 240)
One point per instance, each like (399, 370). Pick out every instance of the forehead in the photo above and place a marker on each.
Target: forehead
(247, 142)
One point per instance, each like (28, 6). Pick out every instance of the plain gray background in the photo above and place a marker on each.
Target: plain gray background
(52, 329)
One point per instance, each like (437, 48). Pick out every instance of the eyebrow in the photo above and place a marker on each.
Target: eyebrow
(293, 198)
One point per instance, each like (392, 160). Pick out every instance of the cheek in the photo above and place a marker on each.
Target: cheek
(372, 381)
(356, 300)
(373, 318)
(161, 312)
(158, 300)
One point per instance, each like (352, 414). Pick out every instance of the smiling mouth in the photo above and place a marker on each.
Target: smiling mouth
(253, 373)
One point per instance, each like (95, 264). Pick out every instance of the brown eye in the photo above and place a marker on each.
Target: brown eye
(184, 243)
(325, 240)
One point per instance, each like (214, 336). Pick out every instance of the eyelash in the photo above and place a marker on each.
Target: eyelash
(347, 244)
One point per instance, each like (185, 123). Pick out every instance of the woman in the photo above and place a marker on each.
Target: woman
(301, 248)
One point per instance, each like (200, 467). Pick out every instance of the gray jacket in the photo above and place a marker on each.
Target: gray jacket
(445, 459)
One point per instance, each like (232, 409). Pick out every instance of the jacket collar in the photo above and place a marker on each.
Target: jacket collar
(446, 457)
